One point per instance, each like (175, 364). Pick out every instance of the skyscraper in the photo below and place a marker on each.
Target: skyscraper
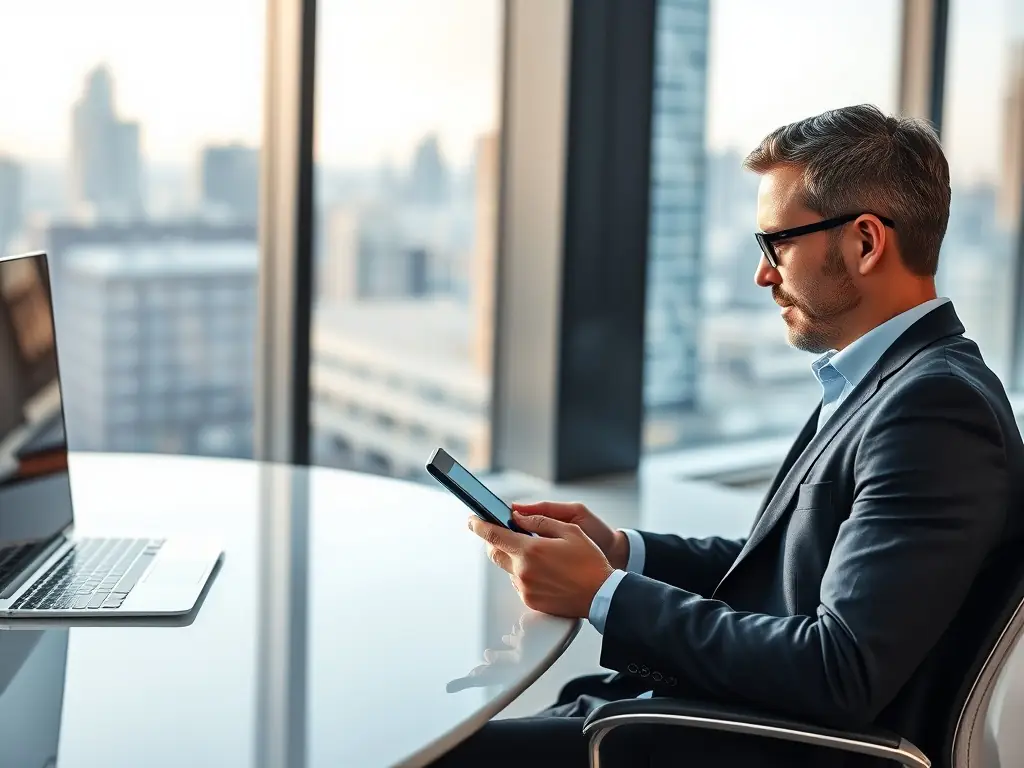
(10, 201)
(105, 164)
(677, 204)
(230, 180)
(429, 180)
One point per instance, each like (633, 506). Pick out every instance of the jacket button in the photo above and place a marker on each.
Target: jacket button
(644, 672)
(632, 669)
(657, 677)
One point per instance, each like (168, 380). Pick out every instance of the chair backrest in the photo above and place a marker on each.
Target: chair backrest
(984, 635)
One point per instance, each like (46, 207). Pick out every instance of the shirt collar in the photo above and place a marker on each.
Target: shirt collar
(854, 362)
(820, 364)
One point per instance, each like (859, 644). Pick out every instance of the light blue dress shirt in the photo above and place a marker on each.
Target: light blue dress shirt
(838, 373)
(603, 599)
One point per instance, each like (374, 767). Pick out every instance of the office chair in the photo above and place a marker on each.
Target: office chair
(953, 705)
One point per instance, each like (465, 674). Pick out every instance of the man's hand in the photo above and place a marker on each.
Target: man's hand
(557, 572)
(613, 543)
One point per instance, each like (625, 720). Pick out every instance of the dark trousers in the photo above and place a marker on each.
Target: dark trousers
(555, 737)
(552, 737)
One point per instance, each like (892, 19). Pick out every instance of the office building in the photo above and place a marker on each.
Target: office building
(429, 179)
(105, 155)
(11, 201)
(445, 234)
(366, 255)
(677, 204)
(230, 182)
(391, 381)
(157, 344)
(386, 250)
(58, 238)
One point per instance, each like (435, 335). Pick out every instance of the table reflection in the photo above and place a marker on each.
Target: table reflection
(507, 661)
(31, 695)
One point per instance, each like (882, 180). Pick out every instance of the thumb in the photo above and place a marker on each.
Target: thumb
(544, 526)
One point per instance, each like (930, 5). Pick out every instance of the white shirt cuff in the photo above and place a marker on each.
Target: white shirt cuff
(637, 551)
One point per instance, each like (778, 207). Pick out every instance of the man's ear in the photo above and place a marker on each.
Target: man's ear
(871, 235)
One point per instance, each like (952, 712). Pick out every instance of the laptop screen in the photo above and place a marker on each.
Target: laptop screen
(35, 491)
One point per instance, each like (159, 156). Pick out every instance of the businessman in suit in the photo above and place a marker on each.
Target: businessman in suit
(902, 483)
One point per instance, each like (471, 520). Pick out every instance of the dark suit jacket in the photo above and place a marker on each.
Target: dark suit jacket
(862, 553)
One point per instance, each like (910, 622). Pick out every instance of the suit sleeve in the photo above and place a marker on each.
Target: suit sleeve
(696, 565)
(930, 500)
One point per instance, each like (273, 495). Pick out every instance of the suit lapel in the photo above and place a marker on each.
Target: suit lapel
(940, 323)
(787, 489)
(802, 439)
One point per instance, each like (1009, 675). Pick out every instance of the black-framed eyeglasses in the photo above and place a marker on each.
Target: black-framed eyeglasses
(767, 240)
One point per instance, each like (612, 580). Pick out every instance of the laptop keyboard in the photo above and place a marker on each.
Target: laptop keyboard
(13, 560)
(95, 573)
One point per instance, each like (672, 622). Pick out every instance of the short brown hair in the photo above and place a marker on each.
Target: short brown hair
(859, 159)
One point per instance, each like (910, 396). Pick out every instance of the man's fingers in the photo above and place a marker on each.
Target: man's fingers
(496, 535)
(545, 526)
(557, 510)
(501, 559)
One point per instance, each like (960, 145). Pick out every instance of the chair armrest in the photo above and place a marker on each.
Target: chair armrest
(691, 714)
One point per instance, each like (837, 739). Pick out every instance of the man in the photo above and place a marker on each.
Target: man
(904, 480)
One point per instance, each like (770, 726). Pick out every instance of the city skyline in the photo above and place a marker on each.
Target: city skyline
(405, 237)
(185, 103)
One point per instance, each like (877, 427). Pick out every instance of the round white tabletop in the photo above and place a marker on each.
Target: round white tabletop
(348, 624)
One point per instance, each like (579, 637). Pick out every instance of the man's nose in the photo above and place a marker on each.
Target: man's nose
(766, 275)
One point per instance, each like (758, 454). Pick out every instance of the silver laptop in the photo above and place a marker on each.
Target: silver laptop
(44, 570)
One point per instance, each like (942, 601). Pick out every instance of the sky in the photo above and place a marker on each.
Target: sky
(390, 71)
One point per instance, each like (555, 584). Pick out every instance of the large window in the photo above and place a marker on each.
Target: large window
(128, 151)
(726, 73)
(408, 95)
(983, 135)
(135, 166)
